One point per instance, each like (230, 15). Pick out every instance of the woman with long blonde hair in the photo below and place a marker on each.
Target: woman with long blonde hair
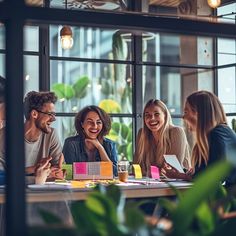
(214, 139)
(159, 137)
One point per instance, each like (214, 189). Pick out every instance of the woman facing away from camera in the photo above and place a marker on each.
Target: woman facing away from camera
(92, 124)
(214, 139)
(159, 137)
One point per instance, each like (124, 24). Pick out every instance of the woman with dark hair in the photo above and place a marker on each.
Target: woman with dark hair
(92, 124)
(159, 137)
(214, 139)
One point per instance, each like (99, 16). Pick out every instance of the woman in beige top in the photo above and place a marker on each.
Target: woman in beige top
(159, 137)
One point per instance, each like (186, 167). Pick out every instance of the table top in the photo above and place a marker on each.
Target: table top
(52, 192)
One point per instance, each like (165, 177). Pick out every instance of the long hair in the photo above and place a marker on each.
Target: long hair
(147, 150)
(210, 113)
(105, 118)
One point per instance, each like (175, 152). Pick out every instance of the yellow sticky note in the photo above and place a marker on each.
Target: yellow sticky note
(106, 169)
(137, 171)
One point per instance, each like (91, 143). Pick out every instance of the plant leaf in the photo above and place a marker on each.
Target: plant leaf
(49, 217)
(80, 87)
(197, 194)
(63, 91)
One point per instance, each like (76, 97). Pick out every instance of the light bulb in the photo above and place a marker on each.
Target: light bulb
(66, 42)
(214, 3)
(66, 37)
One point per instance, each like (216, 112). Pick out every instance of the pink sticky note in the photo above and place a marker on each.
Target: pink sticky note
(80, 168)
(155, 173)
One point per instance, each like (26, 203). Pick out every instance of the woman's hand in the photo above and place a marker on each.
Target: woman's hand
(94, 142)
(172, 173)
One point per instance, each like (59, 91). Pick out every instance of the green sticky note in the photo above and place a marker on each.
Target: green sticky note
(69, 173)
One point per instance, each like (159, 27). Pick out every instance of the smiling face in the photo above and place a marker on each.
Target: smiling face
(45, 117)
(190, 117)
(92, 125)
(154, 118)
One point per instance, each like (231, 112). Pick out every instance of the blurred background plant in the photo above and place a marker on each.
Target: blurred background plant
(234, 124)
(120, 132)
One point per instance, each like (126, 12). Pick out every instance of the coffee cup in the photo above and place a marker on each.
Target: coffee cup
(123, 170)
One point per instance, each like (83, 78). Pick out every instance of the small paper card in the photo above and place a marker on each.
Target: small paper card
(68, 168)
(106, 169)
(155, 173)
(92, 170)
(137, 171)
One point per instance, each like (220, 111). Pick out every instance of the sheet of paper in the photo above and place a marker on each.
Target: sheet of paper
(173, 161)
(155, 173)
(137, 171)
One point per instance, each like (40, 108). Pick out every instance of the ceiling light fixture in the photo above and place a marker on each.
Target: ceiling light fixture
(66, 37)
(214, 3)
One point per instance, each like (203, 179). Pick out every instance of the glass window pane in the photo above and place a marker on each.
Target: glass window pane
(2, 65)
(177, 49)
(226, 88)
(31, 73)
(172, 85)
(226, 45)
(229, 120)
(31, 38)
(82, 83)
(91, 43)
(225, 59)
(2, 36)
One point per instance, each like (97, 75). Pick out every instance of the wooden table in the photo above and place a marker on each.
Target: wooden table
(137, 191)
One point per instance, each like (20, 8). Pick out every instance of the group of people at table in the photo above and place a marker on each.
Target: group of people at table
(44, 155)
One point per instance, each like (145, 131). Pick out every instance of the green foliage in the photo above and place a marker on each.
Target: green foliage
(63, 91)
(122, 134)
(234, 124)
(101, 214)
(80, 87)
(195, 213)
(76, 90)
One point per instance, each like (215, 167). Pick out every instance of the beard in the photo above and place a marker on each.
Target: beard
(43, 127)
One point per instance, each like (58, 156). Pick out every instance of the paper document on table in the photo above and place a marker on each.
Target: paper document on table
(50, 185)
(173, 161)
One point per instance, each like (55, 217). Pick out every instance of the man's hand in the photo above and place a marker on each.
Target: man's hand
(42, 171)
(56, 173)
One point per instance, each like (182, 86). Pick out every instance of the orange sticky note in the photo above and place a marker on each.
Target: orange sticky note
(106, 169)
(137, 171)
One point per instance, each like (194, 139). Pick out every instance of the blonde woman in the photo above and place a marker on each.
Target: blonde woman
(158, 137)
(215, 140)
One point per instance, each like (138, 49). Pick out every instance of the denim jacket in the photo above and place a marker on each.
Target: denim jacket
(74, 151)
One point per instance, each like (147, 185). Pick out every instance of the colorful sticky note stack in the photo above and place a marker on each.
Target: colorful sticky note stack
(92, 170)
(137, 171)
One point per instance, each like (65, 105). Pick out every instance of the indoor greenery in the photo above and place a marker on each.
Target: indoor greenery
(197, 211)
